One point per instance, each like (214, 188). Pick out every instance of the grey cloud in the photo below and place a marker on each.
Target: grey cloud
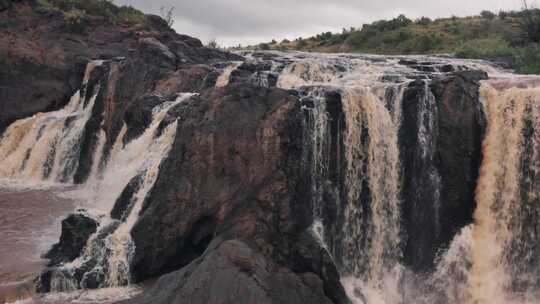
(251, 21)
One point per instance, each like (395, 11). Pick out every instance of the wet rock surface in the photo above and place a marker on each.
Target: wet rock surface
(76, 230)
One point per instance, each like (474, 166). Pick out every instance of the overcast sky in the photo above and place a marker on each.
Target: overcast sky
(233, 22)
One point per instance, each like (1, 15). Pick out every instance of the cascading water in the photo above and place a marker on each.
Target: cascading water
(504, 255)
(107, 257)
(224, 78)
(366, 244)
(373, 164)
(47, 145)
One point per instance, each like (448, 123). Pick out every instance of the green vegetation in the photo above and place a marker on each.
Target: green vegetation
(509, 37)
(76, 12)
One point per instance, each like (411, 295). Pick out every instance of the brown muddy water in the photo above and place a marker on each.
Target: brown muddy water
(29, 225)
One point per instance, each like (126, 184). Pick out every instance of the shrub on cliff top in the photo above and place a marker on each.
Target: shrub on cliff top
(75, 20)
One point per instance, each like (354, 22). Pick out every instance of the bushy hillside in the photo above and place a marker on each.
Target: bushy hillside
(508, 37)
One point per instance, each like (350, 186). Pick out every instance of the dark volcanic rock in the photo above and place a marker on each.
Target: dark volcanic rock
(310, 257)
(76, 229)
(228, 153)
(440, 170)
(193, 78)
(124, 203)
(462, 126)
(157, 53)
(234, 271)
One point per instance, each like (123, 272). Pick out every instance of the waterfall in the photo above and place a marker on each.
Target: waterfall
(355, 167)
(318, 136)
(46, 146)
(370, 246)
(107, 257)
(366, 241)
(504, 257)
(97, 157)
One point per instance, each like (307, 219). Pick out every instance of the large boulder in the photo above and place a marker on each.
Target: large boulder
(236, 272)
(76, 230)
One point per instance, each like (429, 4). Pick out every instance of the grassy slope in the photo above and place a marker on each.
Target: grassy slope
(498, 38)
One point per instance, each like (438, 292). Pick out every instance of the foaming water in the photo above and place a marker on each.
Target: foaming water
(109, 251)
(46, 146)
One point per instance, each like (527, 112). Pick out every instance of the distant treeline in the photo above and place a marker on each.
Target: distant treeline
(509, 37)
